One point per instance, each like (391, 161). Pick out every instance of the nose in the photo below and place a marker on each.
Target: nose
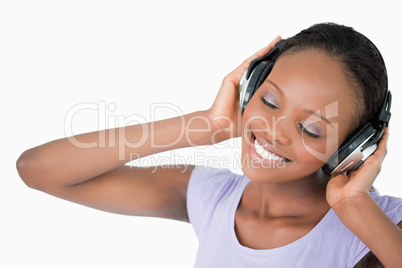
(278, 132)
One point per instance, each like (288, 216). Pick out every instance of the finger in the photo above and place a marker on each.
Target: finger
(261, 52)
(372, 166)
(238, 72)
(265, 50)
(383, 140)
(381, 151)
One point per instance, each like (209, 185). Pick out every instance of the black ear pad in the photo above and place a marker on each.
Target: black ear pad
(258, 77)
(353, 141)
(267, 67)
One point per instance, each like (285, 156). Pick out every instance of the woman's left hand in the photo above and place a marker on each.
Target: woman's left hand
(357, 183)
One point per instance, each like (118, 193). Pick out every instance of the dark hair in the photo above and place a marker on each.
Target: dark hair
(360, 59)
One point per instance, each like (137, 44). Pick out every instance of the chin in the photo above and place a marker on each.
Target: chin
(264, 171)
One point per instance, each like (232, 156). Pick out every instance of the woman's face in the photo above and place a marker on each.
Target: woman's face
(297, 118)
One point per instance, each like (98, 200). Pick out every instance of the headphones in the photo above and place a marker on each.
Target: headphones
(357, 147)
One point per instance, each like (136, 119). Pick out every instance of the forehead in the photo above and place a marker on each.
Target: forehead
(312, 73)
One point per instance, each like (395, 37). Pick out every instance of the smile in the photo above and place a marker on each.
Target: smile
(266, 154)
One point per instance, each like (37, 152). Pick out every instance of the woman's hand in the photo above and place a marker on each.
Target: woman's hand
(359, 212)
(225, 112)
(358, 183)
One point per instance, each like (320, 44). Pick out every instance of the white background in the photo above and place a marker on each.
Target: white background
(130, 54)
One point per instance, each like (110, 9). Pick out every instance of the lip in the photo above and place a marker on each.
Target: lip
(268, 147)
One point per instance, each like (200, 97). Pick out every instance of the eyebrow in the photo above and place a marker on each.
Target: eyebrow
(319, 116)
(276, 87)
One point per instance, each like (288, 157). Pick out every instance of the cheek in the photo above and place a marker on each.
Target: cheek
(254, 106)
(316, 152)
(255, 118)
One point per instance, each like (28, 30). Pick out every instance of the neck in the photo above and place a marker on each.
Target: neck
(300, 198)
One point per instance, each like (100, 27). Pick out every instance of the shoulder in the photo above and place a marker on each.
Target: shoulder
(209, 187)
(210, 180)
(207, 184)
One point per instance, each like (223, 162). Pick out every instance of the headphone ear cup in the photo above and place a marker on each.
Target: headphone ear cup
(352, 142)
(256, 79)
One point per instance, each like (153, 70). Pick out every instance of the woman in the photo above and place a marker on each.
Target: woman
(285, 212)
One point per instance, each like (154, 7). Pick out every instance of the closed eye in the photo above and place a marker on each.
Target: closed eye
(269, 104)
(310, 134)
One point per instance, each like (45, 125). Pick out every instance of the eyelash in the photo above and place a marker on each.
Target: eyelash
(302, 128)
(310, 134)
(270, 105)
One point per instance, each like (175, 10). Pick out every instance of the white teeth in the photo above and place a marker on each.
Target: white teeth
(266, 154)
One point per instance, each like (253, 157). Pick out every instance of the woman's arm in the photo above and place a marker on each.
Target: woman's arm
(83, 170)
(374, 228)
(349, 196)
(97, 177)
